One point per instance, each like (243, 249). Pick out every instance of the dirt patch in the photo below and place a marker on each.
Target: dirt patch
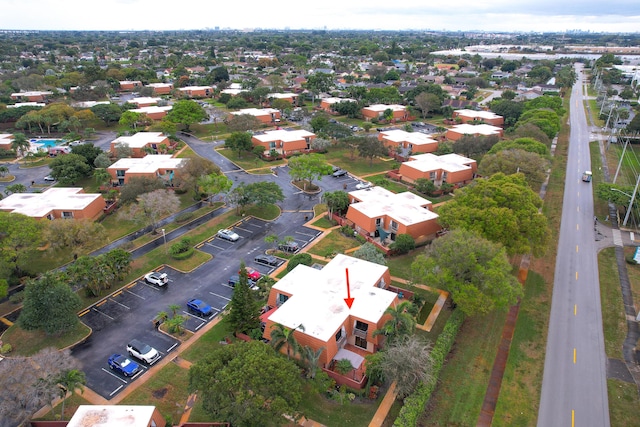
(160, 393)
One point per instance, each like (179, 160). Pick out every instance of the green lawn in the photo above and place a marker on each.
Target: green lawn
(70, 407)
(334, 243)
(249, 161)
(331, 413)
(26, 343)
(623, 403)
(210, 340)
(613, 319)
(356, 165)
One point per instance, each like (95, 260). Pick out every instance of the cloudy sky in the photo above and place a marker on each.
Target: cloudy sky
(487, 15)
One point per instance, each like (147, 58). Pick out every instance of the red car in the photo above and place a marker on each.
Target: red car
(253, 274)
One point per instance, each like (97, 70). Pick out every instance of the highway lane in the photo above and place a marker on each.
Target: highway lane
(574, 387)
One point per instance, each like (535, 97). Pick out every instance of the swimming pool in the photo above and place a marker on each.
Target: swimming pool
(47, 142)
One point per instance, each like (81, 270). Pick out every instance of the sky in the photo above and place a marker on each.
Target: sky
(613, 16)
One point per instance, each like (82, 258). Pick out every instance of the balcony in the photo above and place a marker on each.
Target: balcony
(360, 333)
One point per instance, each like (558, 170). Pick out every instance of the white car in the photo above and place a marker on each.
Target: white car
(227, 234)
(362, 185)
(156, 278)
(49, 178)
(142, 351)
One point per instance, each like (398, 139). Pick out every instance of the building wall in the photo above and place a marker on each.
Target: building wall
(198, 93)
(498, 121)
(454, 135)
(410, 174)
(129, 86)
(164, 90)
(415, 149)
(370, 114)
(92, 211)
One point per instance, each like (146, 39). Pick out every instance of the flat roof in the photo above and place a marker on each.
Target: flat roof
(406, 208)
(333, 100)
(283, 135)
(140, 139)
(381, 108)
(282, 95)
(112, 416)
(160, 85)
(32, 93)
(478, 114)
(152, 109)
(256, 111)
(186, 88)
(483, 129)
(147, 164)
(38, 205)
(144, 100)
(429, 162)
(317, 300)
(415, 138)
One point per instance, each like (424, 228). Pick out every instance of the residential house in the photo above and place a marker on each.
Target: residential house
(378, 212)
(139, 141)
(197, 91)
(458, 131)
(130, 85)
(327, 103)
(6, 139)
(310, 302)
(163, 166)
(449, 168)
(153, 111)
(284, 141)
(233, 89)
(405, 143)
(31, 96)
(376, 111)
(53, 203)
(290, 97)
(265, 115)
(487, 117)
(161, 88)
(144, 101)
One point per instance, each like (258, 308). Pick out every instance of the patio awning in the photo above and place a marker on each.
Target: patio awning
(383, 234)
(355, 359)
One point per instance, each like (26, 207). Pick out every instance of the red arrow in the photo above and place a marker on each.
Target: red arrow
(348, 299)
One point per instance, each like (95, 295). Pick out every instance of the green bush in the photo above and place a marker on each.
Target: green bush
(302, 258)
(183, 255)
(6, 348)
(184, 217)
(346, 230)
(181, 250)
(17, 298)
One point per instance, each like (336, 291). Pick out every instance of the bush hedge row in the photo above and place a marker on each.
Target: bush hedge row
(415, 403)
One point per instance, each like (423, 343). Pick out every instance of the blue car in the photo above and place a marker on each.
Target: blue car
(198, 307)
(124, 365)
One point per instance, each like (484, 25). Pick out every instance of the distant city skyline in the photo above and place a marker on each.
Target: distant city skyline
(617, 16)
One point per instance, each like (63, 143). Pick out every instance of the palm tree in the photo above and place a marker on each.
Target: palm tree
(401, 322)
(20, 144)
(4, 170)
(174, 309)
(281, 335)
(70, 381)
(311, 359)
(101, 176)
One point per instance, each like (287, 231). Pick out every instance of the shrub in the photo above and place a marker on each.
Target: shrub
(346, 230)
(181, 250)
(184, 217)
(302, 258)
(17, 298)
(6, 348)
(631, 260)
(403, 244)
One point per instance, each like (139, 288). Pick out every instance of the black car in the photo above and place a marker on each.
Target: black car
(339, 173)
(235, 279)
(289, 247)
(267, 260)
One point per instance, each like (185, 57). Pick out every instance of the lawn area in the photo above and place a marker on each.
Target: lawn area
(210, 340)
(332, 413)
(400, 265)
(358, 166)
(249, 161)
(333, 243)
(70, 407)
(323, 222)
(27, 343)
(623, 403)
(614, 323)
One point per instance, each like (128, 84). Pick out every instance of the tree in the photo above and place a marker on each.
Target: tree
(75, 235)
(195, 168)
(526, 144)
(21, 236)
(243, 123)
(318, 83)
(427, 102)
(282, 336)
(311, 358)
(239, 142)
(425, 186)
(474, 270)
(49, 305)
(15, 188)
(244, 311)
(301, 258)
(30, 383)
(186, 112)
(308, 167)
(88, 151)
(319, 123)
(123, 150)
(369, 252)
(370, 147)
(70, 381)
(547, 120)
(337, 201)
(151, 207)
(471, 145)
(400, 323)
(407, 361)
(514, 160)
(139, 185)
(502, 209)
(20, 144)
(108, 113)
(70, 168)
(247, 384)
(347, 108)
(101, 176)
(214, 183)
(129, 119)
(403, 244)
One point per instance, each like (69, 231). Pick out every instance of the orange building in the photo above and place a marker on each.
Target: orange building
(31, 96)
(327, 103)
(130, 85)
(448, 168)
(284, 141)
(458, 131)
(311, 303)
(153, 111)
(487, 117)
(144, 101)
(265, 115)
(117, 415)
(161, 88)
(54, 203)
(139, 141)
(197, 91)
(6, 139)
(382, 214)
(291, 98)
(400, 112)
(402, 142)
(163, 166)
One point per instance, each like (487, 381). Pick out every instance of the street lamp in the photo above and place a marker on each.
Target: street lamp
(164, 237)
(626, 216)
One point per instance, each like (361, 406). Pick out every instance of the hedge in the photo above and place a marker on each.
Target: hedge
(415, 403)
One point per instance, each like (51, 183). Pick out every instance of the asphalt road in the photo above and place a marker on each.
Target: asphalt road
(574, 386)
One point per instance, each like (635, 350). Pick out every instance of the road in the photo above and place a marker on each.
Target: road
(574, 386)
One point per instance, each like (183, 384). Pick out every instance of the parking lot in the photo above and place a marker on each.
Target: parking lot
(131, 311)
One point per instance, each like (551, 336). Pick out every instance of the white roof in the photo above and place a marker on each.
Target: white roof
(26, 104)
(32, 93)
(187, 88)
(255, 111)
(129, 82)
(6, 138)
(484, 129)
(232, 91)
(38, 205)
(282, 95)
(147, 164)
(152, 109)
(405, 208)
(89, 104)
(158, 85)
(415, 138)
(144, 100)
(478, 114)
(283, 135)
(333, 100)
(140, 139)
(381, 108)
(112, 415)
(317, 300)
(430, 162)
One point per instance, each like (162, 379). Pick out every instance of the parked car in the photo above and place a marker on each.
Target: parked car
(235, 279)
(362, 185)
(252, 273)
(124, 365)
(142, 351)
(49, 178)
(269, 260)
(227, 234)
(339, 173)
(289, 246)
(199, 307)
(156, 278)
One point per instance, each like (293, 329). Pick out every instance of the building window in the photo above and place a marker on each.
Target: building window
(444, 176)
(378, 222)
(432, 176)
(394, 225)
(67, 215)
(281, 299)
(272, 145)
(120, 172)
(361, 342)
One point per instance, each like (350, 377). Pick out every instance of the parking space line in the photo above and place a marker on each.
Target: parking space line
(193, 315)
(172, 347)
(142, 371)
(217, 247)
(244, 229)
(221, 296)
(120, 304)
(114, 375)
(104, 301)
(116, 390)
(256, 225)
(155, 288)
(134, 294)
(84, 312)
(106, 315)
(306, 234)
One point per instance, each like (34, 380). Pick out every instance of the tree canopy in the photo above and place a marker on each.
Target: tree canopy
(308, 167)
(70, 168)
(239, 142)
(186, 112)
